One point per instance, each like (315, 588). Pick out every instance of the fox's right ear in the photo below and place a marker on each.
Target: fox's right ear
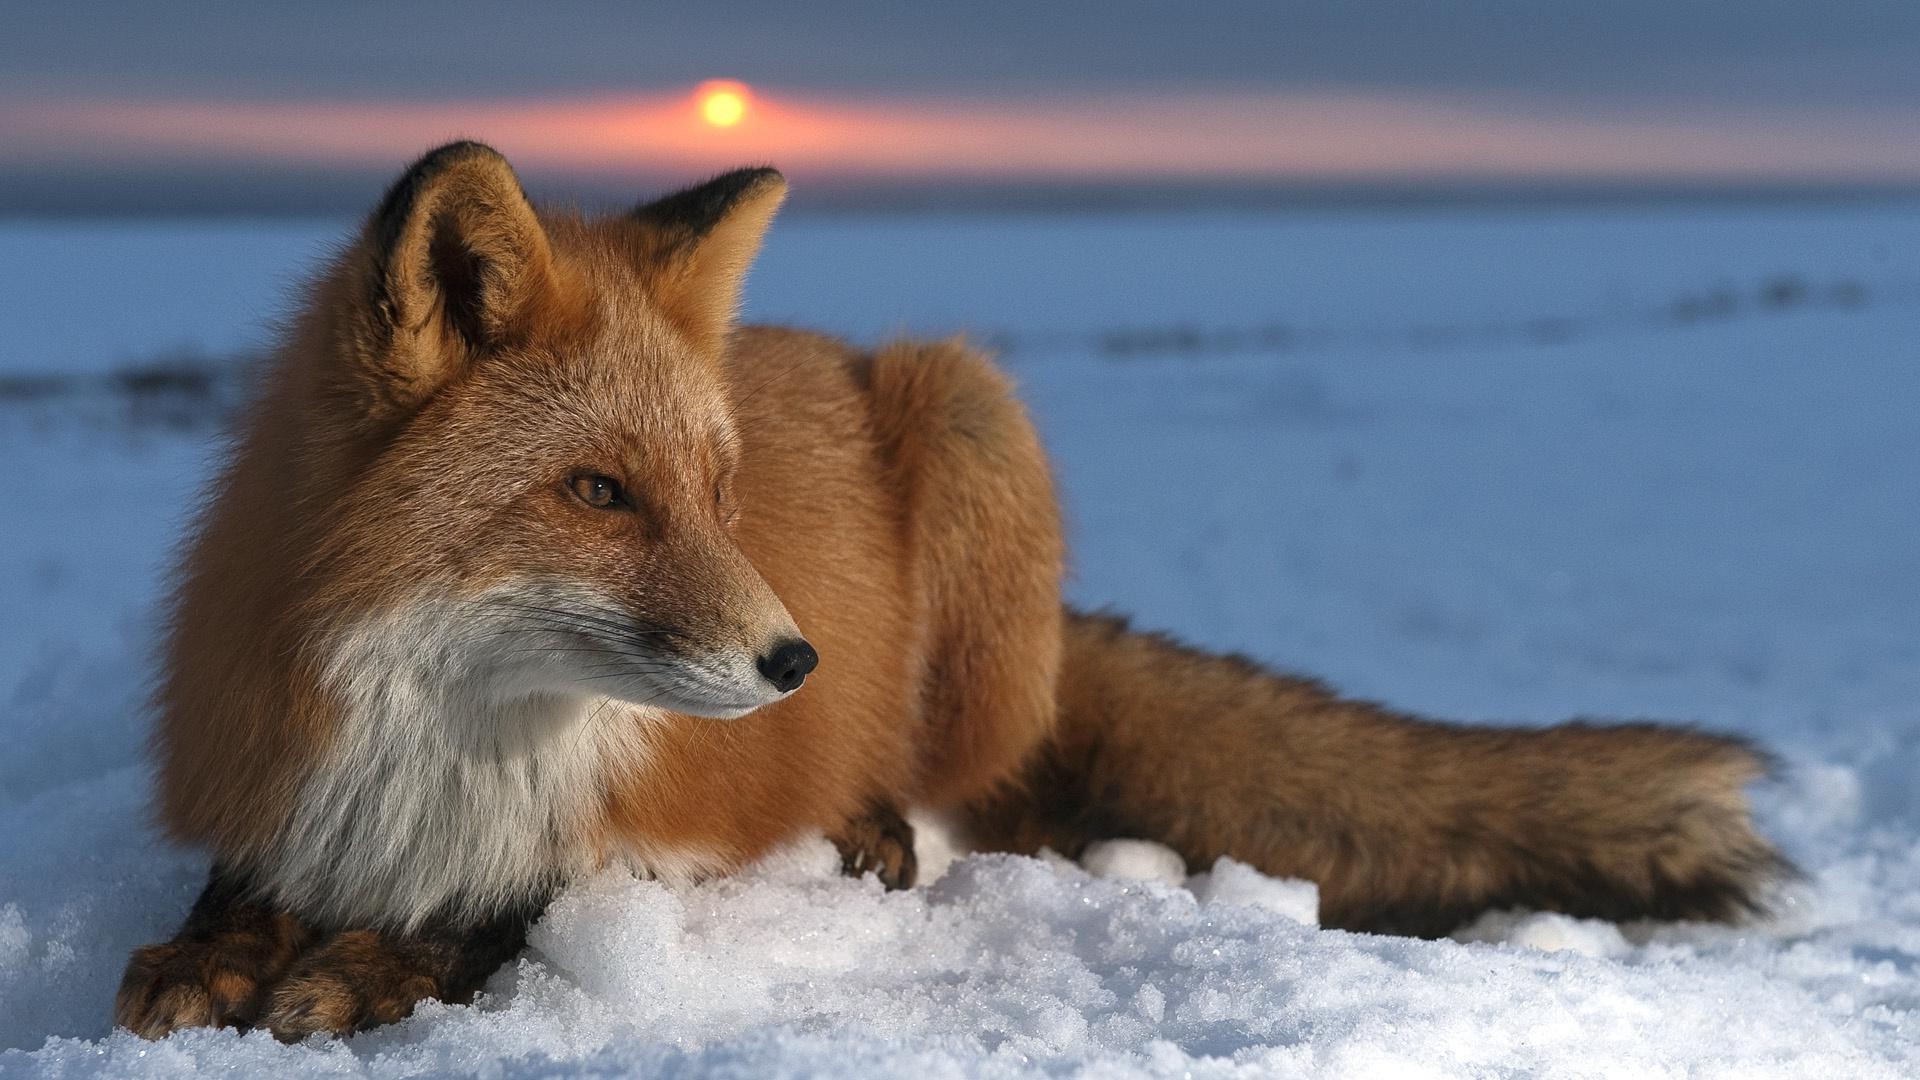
(694, 247)
(455, 265)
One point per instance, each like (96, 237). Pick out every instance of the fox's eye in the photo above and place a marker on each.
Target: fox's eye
(599, 492)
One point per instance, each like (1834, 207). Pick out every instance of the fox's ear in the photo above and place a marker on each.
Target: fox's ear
(458, 265)
(696, 245)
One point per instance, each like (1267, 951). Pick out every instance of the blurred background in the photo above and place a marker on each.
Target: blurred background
(123, 107)
(1502, 356)
(1355, 327)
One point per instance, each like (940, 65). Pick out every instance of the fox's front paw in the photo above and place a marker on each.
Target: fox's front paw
(357, 980)
(880, 841)
(216, 970)
(176, 986)
(179, 984)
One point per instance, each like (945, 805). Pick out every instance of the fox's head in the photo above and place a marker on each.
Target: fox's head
(519, 444)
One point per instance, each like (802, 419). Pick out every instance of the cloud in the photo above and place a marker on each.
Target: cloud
(1241, 135)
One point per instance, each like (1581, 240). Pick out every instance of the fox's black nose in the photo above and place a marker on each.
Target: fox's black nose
(787, 665)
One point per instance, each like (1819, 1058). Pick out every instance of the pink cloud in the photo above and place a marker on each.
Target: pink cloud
(1175, 135)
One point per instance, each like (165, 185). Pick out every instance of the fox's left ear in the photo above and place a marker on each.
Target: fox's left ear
(695, 247)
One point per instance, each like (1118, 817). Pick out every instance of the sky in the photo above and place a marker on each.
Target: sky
(113, 104)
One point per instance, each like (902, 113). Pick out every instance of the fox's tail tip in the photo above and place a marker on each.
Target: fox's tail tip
(1716, 864)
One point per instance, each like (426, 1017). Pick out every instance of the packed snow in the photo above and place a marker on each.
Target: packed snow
(1498, 466)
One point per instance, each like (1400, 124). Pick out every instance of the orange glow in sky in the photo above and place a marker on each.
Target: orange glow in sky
(723, 103)
(1238, 135)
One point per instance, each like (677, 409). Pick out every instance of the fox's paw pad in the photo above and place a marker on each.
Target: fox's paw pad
(880, 842)
(185, 984)
(353, 982)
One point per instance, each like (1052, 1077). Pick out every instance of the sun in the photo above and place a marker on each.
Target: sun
(723, 102)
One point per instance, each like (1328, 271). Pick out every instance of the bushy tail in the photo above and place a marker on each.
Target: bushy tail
(1408, 826)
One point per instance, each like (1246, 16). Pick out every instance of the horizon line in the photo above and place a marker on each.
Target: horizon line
(325, 194)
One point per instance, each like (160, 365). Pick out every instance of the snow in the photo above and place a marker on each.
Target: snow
(1134, 860)
(1495, 466)
(1233, 882)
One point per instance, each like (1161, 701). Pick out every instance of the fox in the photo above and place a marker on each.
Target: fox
(529, 559)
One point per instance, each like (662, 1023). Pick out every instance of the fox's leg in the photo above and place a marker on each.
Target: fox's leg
(982, 528)
(358, 979)
(216, 970)
(1408, 826)
(879, 840)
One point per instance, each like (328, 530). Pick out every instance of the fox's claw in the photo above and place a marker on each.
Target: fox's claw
(881, 842)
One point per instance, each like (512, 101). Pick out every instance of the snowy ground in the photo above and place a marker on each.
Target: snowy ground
(1494, 466)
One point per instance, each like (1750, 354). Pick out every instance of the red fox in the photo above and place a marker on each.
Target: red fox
(529, 560)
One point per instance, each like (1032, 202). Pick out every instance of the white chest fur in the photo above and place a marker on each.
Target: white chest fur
(446, 786)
